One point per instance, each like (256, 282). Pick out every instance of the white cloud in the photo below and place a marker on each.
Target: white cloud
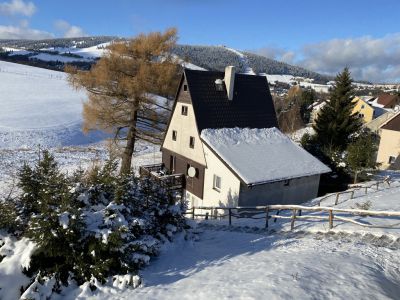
(17, 7)
(23, 32)
(373, 59)
(69, 30)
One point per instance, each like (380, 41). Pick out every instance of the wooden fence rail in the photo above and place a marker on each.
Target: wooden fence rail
(296, 214)
(374, 187)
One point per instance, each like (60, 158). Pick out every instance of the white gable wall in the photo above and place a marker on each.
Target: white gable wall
(230, 184)
(185, 127)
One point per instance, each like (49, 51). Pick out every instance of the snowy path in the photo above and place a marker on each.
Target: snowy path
(226, 265)
(244, 60)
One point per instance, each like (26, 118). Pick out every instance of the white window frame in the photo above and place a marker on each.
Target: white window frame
(217, 182)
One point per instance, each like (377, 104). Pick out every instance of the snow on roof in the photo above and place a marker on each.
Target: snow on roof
(262, 155)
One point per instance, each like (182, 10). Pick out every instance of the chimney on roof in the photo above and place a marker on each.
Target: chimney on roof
(229, 80)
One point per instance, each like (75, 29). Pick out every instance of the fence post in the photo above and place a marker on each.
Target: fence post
(277, 213)
(366, 190)
(230, 216)
(193, 212)
(293, 218)
(337, 198)
(352, 195)
(266, 216)
(330, 219)
(377, 186)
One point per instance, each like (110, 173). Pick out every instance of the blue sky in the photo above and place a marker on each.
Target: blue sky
(292, 31)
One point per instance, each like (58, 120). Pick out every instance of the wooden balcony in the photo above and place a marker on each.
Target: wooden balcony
(159, 173)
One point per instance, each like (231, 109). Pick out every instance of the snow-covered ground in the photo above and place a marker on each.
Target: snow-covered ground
(39, 107)
(238, 265)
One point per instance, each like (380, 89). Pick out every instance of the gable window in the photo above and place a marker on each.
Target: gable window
(217, 183)
(184, 110)
(185, 87)
(362, 106)
(174, 135)
(191, 142)
(392, 159)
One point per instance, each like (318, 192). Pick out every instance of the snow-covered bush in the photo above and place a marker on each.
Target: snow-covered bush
(92, 225)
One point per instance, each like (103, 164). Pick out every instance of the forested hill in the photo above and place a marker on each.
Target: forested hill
(217, 57)
(54, 53)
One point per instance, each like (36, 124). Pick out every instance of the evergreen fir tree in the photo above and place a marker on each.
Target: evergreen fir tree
(361, 153)
(336, 123)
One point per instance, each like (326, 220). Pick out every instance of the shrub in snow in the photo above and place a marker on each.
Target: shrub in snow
(92, 225)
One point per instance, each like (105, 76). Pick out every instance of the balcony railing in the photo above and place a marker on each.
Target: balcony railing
(160, 174)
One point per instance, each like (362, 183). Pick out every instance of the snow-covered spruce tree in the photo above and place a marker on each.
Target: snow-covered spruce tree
(361, 153)
(336, 123)
(53, 219)
(91, 226)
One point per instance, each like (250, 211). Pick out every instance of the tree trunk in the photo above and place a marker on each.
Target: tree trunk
(355, 176)
(129, 148)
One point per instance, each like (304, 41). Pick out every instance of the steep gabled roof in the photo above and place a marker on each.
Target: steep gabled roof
(251, 106)
(259, 156)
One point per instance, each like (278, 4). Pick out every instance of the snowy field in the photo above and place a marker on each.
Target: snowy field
(39, 107)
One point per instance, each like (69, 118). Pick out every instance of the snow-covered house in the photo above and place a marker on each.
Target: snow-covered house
(222, 137)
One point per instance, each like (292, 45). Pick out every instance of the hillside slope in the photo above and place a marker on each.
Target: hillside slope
(54, 53)
(39, 107)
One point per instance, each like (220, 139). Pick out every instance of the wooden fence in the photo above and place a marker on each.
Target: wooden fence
(254, 212)
(372, 187)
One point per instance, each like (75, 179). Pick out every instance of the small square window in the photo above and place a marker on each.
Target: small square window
(174, 135)
(185, 87)
(184, 110)
(217, 183)
(191, 142)
(392, 159)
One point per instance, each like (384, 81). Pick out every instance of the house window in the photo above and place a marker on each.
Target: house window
(184, 110)
(191, 142)
(286, 182)
(174, 135)
(185, 87)
(392, 159)
(217, 183)
(362, 106)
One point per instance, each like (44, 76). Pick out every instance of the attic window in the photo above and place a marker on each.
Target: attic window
(191, 142)
(185, 87)
(219, 85)
(174, 135)
(184, 110)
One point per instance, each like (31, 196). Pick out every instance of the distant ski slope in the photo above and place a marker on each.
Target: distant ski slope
(39, 107)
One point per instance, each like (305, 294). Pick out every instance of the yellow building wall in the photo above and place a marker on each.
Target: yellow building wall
(364, 109)
(389, 145)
